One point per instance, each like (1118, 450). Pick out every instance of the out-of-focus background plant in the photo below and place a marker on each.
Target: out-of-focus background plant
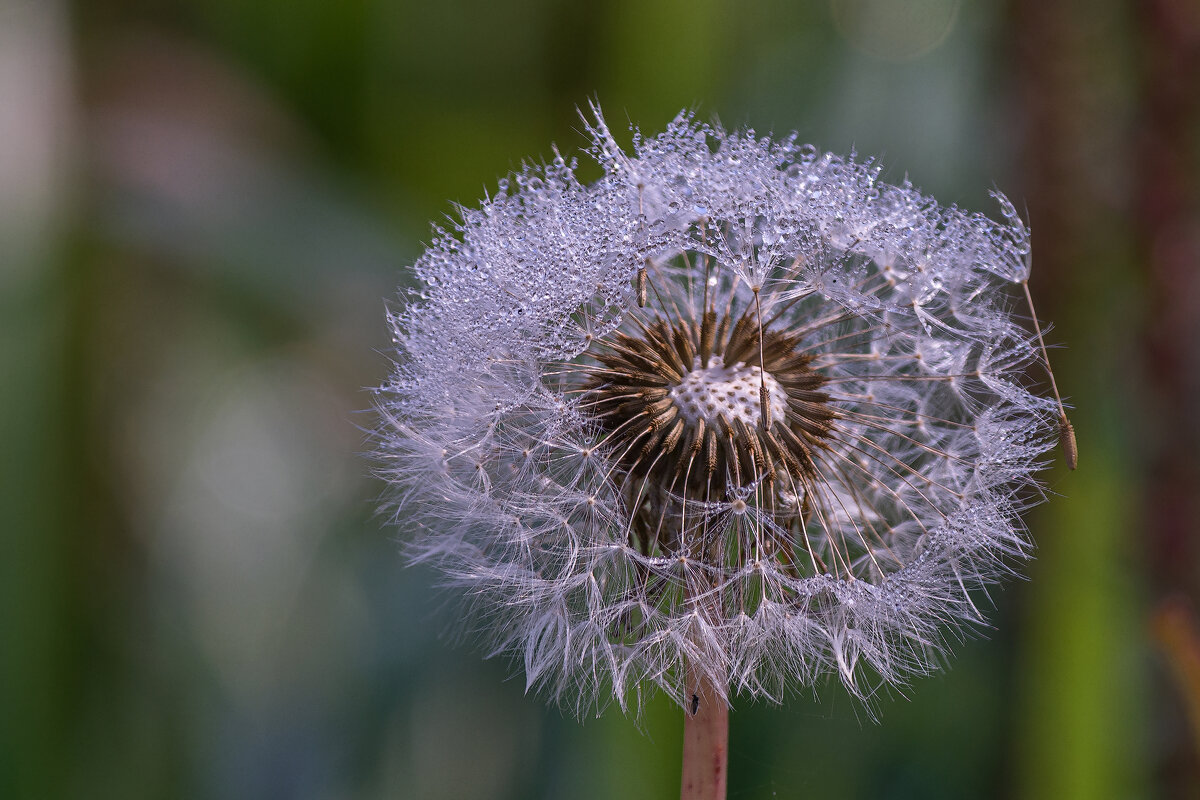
(203, 204)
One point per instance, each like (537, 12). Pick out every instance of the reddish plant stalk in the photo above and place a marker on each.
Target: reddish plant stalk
(705, 740)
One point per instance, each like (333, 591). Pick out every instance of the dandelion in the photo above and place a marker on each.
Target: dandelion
(736, 416)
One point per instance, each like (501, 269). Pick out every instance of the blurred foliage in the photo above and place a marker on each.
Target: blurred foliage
(203, 207)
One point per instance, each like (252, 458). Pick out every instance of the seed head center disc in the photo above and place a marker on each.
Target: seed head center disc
(715, 390)
(682, 405)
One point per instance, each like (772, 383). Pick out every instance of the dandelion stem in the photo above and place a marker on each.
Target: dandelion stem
(705, 740)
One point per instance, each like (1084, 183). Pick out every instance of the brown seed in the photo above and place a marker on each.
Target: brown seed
(764, 407)
(1066, 439)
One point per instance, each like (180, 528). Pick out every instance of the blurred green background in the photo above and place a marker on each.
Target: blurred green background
(205, 203)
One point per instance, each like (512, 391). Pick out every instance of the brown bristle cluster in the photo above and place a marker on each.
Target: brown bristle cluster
(644, 391)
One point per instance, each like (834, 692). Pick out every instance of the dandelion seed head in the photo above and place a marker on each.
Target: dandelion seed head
(738, 406)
